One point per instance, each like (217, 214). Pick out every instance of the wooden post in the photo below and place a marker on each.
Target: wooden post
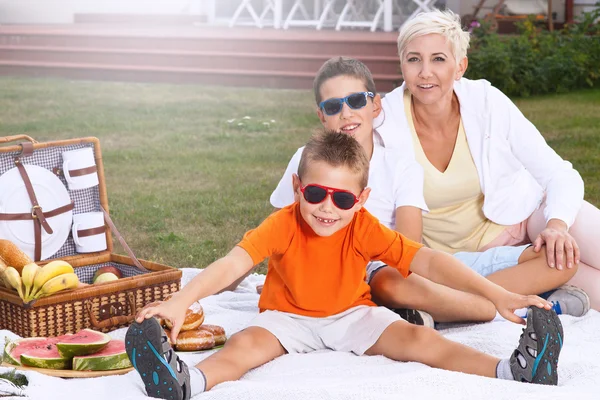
(569, 11)
(550, 19)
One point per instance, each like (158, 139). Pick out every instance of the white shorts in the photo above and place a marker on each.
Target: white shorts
(354, 330)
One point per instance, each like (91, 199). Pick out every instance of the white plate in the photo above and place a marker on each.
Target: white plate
(51, 194)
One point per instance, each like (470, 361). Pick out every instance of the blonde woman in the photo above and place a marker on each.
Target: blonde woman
(490, 179)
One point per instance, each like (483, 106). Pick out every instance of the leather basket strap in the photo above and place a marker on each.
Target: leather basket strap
(26, 216)
(27, 149)
(121, 240)
(91, 231)
(36, 209)
(83, 171)
(37, 231)
(37, 213)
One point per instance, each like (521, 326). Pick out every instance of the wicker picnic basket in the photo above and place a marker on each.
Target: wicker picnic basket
(103, 307)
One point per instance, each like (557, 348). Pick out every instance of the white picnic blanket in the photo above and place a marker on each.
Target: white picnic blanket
(332, 375)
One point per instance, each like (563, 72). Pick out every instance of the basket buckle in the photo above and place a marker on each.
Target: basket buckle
(110, 310)
(33, 214)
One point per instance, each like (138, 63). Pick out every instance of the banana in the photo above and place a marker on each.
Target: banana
(58, 283)
(3, 266)
(11, 275)
(48, 272)
(27, 276)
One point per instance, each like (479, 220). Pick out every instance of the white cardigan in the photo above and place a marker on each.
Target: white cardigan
(515, 165)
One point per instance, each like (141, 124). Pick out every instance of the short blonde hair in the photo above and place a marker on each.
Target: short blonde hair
(445, 23)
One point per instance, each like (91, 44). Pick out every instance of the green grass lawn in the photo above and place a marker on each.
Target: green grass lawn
(185, 182)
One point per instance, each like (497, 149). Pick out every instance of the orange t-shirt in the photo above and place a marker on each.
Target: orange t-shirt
(320, 276)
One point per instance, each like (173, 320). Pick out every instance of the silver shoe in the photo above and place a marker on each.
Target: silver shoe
(570, 300)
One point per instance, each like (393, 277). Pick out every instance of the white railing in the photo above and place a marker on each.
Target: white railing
(337, 14)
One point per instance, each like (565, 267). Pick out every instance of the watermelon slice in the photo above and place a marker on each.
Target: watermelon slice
(46, 356)
(84, 342)
(14, 349)
(112, 356)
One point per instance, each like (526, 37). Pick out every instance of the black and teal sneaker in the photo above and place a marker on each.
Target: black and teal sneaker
(535, 360)
(415, 317)
(164, 374)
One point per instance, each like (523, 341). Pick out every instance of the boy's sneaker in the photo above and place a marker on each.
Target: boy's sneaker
(416, 317)
(165, 376)
(536, 358)
(569, 300)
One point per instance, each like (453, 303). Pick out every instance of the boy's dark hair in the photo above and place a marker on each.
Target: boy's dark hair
(337, 150)
(342, 66)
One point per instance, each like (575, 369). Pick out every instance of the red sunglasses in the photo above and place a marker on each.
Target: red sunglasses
(316, 194)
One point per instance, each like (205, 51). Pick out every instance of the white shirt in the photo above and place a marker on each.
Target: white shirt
(515, 165)
(394, 183)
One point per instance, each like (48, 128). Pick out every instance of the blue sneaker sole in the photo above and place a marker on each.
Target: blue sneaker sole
(143, 344)
(549, 344)
(543, 368)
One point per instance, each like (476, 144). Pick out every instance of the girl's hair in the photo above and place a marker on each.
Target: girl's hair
(445, 23)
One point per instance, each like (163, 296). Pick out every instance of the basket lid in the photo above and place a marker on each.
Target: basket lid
(49, 156)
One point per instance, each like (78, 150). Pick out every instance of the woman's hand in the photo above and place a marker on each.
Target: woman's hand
(560, 245)
(169, 310)
(508, 302)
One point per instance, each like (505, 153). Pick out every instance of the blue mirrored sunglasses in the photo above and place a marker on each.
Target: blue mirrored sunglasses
(355, 101)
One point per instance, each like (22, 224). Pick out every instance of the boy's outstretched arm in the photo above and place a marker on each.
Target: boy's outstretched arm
(215, 277)
(447, 270)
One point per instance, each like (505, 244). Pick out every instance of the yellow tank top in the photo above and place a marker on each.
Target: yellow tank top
(455, 221)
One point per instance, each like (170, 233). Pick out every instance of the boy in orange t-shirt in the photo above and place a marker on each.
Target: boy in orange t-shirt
(315, 295)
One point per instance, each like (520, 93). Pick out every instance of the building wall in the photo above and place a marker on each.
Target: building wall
(583, 6)
(62, 11)
(36, 11)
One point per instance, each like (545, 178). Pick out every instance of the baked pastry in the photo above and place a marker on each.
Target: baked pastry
(195, 340)
(12, 256)
(217, 331)
(193, 319)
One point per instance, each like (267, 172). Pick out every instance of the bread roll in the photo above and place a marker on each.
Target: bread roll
(195, 340)
(12, 256)
(217, 331)
(193, 319)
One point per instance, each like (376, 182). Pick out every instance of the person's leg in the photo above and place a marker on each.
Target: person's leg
(585, 231)
(389, 288)
(166, 376)
(405, 342)
(522, 270)
(588, 279)
(248, 349)
(531, 275)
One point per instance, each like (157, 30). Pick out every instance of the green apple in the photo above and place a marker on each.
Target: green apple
(106, 277)
(103, 270)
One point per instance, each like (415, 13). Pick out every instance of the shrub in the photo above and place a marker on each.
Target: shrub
(536, 61)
